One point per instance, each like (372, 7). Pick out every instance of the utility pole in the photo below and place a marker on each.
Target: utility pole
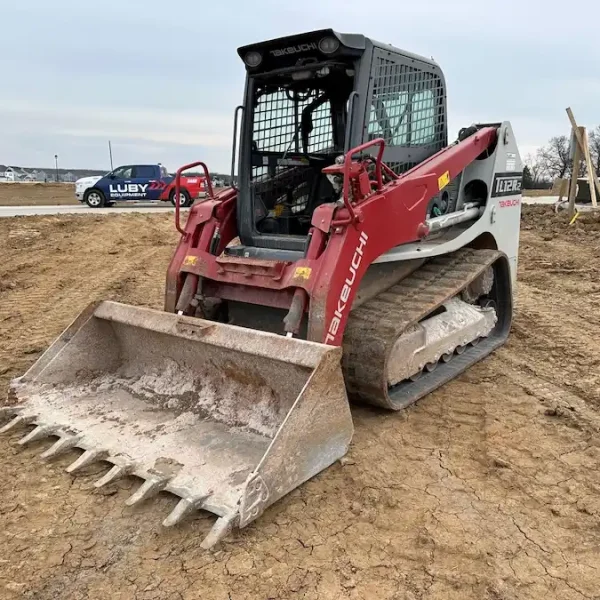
(56, 166)
(110, 154)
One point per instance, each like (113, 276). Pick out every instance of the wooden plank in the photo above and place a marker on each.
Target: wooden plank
(590, 169)
(581, 143)
(574, 176)
(563, 189)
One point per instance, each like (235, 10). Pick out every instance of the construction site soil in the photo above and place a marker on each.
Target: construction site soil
(37, 194)
(487, 489)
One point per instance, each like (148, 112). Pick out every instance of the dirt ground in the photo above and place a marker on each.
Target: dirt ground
(487, 489)
(539, 193)
(37, 194)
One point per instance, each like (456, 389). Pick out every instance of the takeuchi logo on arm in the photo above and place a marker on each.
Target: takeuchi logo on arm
(344, 297)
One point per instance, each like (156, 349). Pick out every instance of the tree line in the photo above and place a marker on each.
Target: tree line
(553, 160)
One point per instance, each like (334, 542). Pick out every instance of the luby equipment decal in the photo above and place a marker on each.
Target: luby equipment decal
(127, 189)
(507, 184)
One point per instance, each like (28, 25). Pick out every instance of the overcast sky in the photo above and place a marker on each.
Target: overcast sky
(161, 79)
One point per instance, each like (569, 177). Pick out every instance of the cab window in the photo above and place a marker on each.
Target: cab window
(123, 172)
(144, 171)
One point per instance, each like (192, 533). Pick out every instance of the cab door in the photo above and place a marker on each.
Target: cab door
(144, 182)
(119, 184)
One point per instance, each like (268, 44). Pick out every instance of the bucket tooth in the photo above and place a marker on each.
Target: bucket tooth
(9, 411)
(60, 446)
(87, 458)
(219, 530)
(117, 472)
(148, 489)
(39, 433)
(184, 508)
(18, 420)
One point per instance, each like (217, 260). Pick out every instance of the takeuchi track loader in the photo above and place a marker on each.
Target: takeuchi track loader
(358, 257)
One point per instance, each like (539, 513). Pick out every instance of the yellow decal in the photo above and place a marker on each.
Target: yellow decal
(190, 261)
(443, 180)
(278, 210)
(302, 272)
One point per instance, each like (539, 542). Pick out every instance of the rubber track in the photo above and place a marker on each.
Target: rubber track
(375, 326)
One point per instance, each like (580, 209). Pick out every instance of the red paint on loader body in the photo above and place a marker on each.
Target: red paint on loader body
(344, 242)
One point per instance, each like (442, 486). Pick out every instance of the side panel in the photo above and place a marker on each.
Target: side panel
(139, 186)
(104, 185)
(502, 174)
(157, 186)
(193, 185)
(121, 185)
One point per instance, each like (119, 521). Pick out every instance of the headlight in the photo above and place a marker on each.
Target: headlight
(328, 45)
(253, 59)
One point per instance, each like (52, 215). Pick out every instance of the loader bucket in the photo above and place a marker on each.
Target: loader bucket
(229, 419)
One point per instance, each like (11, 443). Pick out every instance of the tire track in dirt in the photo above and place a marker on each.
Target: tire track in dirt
(40, 297)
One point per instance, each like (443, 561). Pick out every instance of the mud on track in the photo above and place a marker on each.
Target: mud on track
(487, 489)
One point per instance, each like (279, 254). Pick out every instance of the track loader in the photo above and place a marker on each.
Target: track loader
(358, 256)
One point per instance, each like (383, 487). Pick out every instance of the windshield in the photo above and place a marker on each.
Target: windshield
(290, 121)
(298, 128)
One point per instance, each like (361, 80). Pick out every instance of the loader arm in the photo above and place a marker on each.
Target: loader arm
(343, 241)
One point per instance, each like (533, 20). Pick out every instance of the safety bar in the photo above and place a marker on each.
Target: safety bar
(350, 122)
(236, 115)
(347, 165)
(178, 189)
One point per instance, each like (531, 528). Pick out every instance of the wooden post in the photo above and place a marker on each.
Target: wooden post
(574, 176)
(563, 189)
(590, 170)
(585, 152)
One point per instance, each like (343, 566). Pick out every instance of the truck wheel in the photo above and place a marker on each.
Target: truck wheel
(184, 198)
(94, 198)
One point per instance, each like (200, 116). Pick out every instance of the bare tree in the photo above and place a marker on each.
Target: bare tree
(594, 143)
(537, 169)
(554, 157)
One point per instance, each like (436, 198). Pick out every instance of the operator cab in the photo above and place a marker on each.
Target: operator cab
(309, 98)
